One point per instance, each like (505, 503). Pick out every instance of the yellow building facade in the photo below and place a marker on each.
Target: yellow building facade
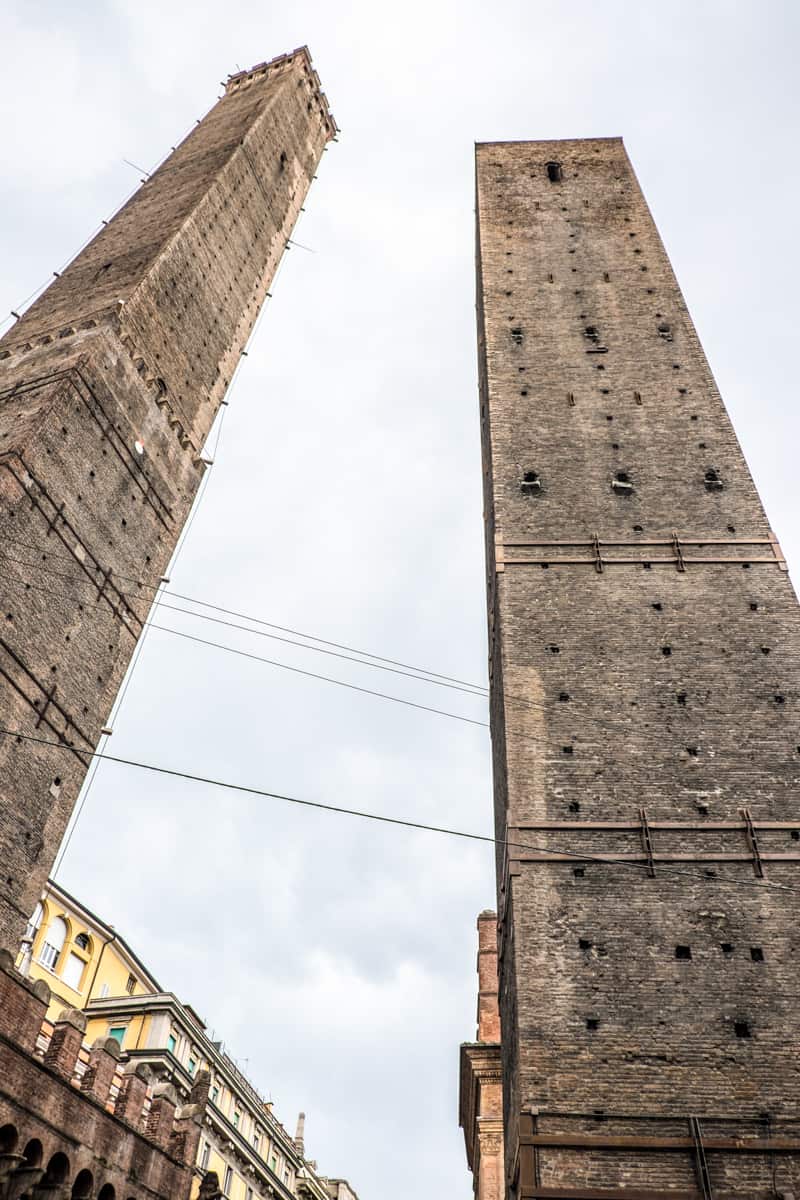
(89, 966)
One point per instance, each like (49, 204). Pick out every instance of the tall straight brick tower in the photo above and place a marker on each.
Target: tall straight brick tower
(109, 385)
(644, 645)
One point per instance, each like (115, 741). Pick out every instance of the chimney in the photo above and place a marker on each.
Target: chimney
(488, 1010)
(300, 1135)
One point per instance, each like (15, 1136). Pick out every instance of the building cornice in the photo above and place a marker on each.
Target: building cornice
(117, 1007)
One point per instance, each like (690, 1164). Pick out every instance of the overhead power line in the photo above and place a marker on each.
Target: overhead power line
(340, 810)
(511, 700)
(353, 687)
(283, 629)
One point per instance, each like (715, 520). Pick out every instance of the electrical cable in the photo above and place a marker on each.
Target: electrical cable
(763, 884)
(116, 707)
(416, 672)
(510, 699)
(353, 687)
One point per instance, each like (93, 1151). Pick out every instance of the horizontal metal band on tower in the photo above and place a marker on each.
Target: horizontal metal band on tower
(542, 552)
(751, 853)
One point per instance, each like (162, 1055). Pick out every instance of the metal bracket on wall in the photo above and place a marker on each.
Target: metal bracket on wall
(701, 1164)
(58, 523)
(560, 552)
(20, 677)
(649, 855)
(647, 842)
(752, 841)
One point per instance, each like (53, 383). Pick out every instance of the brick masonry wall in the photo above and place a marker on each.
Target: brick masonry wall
(52, 1134)
(640, 686)
(108, 387)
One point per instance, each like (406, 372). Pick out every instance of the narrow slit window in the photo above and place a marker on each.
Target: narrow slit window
(554, 173)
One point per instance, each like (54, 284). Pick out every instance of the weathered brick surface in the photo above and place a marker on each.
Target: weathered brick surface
(480, 1099)
(640, 686)
(52, 1133)
(108, 387)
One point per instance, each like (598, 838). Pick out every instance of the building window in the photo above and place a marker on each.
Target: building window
(226, 1187)
(273, 1163)
(104, 990)
(83, 942)
(73, 971)
(214, 1095)
(53, 943)
(256, 1140)
(205, 1154)
(192, 1066)
(117, 1032)
(130, 986)
(237, 1116)
(172, 1042)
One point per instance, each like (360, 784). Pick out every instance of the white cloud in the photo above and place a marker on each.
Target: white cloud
(336, 957)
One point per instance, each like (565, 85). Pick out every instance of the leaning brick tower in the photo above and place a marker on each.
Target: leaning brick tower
(109, 385)
(644, 646)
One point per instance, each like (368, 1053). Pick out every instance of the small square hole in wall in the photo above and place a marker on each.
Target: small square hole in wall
(683, 952)
(742, 1029)
(578, 872)
(593, 1022)
(757, 954)
(726, 948)
(584, 944)
(574, 806)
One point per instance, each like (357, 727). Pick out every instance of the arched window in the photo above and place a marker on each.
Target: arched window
(8, 1139)
(53, 943)
(57, 1171)
(82, 1187)
(83, 942)
(33, 1153)
(73, 970)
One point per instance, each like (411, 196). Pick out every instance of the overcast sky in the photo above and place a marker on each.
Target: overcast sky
(334, 957)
